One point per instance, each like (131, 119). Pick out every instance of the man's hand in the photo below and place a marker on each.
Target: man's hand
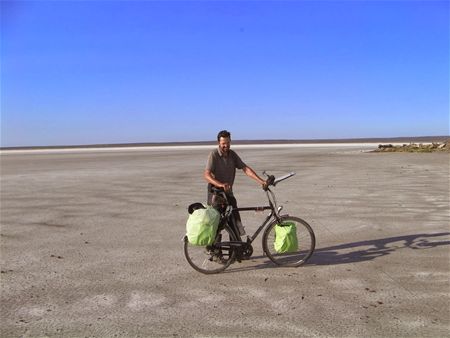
(226, 187)
(268, 182)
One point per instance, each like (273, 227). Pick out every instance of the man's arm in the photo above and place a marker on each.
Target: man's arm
(210, 179)
(251, 173)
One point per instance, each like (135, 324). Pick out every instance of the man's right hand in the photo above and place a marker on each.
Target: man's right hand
(226, 187)
(268, 182)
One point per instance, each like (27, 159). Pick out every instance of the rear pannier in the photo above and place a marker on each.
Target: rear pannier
(201, 226)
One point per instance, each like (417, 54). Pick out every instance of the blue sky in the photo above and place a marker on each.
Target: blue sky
(85, 72)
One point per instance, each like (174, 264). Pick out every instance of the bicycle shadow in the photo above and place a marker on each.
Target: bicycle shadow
(362, 251)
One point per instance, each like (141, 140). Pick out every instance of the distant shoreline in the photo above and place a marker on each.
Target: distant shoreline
(413, 139)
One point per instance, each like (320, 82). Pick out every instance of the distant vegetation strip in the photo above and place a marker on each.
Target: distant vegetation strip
(414, 139)
(415, 148)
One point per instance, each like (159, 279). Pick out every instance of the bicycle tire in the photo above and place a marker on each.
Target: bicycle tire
(211, 259)
(306, 243)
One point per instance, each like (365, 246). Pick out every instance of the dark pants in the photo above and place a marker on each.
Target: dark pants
(231, 200)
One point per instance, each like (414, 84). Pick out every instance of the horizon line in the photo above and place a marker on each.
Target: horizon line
(437, 138)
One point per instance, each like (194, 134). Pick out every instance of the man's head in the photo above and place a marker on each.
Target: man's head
(224, 139)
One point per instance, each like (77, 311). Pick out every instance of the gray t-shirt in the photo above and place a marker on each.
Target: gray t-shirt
(223, 167)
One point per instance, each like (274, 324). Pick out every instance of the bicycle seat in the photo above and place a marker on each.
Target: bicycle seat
(219, 199)
(216, 190)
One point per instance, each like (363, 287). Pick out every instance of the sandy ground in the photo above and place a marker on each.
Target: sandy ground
(91, 246)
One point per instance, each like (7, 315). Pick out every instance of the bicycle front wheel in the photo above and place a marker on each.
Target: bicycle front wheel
(212, 258)
(296, 255)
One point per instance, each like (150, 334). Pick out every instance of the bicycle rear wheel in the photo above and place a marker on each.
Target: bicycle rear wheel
(305, 238)
(212, 258)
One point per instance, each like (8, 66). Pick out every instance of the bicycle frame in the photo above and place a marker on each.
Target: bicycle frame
(275, 213)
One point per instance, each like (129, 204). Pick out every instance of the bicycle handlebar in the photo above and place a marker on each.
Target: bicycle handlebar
(271, 180)
(282, 178)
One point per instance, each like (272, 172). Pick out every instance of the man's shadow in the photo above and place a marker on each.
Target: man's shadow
(362, 251)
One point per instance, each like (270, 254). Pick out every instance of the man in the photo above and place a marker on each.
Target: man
(221, 168)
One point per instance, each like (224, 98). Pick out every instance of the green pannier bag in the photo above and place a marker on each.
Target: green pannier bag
(201, 226)
(285, 238)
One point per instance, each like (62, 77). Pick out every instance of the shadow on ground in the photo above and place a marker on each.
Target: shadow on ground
(368, 250)
(362, 251)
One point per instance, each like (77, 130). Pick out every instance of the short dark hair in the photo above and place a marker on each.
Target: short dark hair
(223, 133)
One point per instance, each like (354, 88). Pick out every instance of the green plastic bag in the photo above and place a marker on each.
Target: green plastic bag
(286, 238)
(201, 226)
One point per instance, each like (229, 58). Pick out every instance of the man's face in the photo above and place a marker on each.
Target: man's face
(224, 144)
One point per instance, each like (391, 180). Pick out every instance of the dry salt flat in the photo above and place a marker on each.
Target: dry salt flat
(91, 245)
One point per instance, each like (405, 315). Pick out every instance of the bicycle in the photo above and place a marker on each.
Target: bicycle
(228, 246)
